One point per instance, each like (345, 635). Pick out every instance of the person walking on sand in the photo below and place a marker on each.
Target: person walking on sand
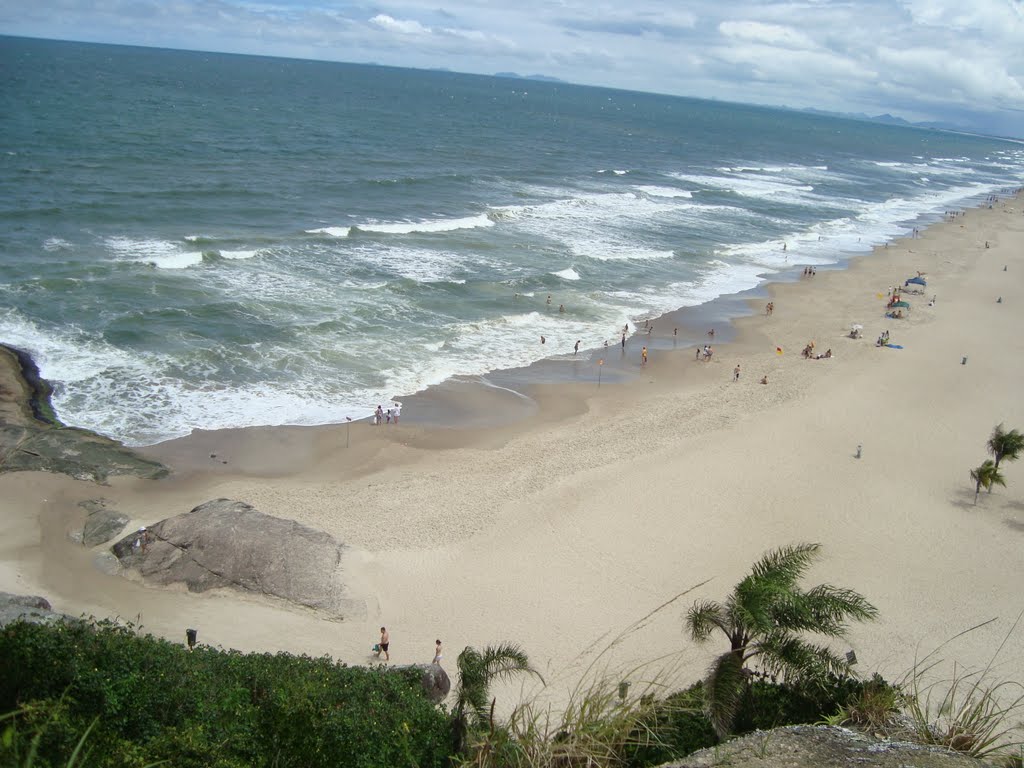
(576, 347)
(385, 642)
(396, 411)
(699, 353)
(736, 372)
(623, 339)
(643, 357)
(378, 416)
(437, 652)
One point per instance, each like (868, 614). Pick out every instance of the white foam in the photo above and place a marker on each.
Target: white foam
(434, 225)
(332, 231)
(423, 265)
(238, 254)
(663, 191)
(159, 253)
(750, 186)
(567, 274)
(56, 244)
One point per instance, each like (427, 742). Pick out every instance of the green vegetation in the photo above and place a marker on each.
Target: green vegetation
(1003, 445)
(474, 708)
(985, 476)
(966, 711)
(139, 699)
(85, 694)
(762, 619)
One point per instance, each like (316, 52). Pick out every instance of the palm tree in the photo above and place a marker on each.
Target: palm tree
(477, 670)
(762, 619)
(1005, 445)
(986, 476)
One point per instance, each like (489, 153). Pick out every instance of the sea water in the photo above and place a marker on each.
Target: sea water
(198, 240)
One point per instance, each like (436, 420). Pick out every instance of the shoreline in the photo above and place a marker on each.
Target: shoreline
(503, 397)
(558, 529)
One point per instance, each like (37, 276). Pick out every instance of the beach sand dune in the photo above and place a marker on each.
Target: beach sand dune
(560, 530)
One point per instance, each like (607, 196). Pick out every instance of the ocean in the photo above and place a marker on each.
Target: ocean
(199, 240)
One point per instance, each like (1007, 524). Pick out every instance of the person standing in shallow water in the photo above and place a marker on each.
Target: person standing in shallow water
(643, 357)
(576, 347)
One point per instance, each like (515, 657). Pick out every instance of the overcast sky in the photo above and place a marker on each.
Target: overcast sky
(959, 61)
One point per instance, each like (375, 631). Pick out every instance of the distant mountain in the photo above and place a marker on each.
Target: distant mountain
(542, 78)
(886, 118)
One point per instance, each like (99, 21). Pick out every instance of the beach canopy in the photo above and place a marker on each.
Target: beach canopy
(916, 281)
(856, 327)
(903, 304)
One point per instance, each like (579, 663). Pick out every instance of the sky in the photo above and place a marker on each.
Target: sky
(956, 61)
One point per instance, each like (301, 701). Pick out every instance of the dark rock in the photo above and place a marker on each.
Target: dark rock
(436, 683)
(32, 439)
(102, 524)
(817, 746)
(228, 544)
(26, 608)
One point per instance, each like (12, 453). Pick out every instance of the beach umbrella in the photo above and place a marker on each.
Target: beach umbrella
(856, 327)
(902, 304)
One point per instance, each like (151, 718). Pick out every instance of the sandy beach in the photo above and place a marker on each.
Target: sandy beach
(561, 527)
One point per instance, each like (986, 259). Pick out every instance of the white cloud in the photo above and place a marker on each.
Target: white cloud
(404, 26)
(770, 34)
(917, 58)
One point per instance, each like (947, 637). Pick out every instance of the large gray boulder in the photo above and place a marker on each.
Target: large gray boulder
(229, 544)
(103, 522)
(436, 683)
(26, 608)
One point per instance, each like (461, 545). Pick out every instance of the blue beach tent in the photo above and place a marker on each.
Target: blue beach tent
(916, 281)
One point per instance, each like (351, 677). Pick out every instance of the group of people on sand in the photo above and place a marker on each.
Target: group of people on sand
(810, 271)
(808, 353)
(705, 353)
(769, 308)
(384, 646)
(390, 416)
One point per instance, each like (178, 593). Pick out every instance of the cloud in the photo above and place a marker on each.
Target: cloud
(923, 59)
(403, 27)
(768, 34)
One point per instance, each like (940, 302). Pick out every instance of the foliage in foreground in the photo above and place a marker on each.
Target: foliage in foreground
(763, 619)
(140, 699)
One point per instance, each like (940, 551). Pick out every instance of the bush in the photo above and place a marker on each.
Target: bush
(154, 700)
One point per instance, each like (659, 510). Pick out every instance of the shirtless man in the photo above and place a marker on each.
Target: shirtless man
(385, 641)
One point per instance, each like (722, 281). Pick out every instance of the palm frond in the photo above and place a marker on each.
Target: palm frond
(831, 607)
(505, 660)
(703, 617)
(723, 690)
(786, 564)
(791, 658)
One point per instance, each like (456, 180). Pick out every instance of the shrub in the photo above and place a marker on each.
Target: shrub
(154, 700)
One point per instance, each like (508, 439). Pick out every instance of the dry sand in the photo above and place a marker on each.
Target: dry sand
(562, 529)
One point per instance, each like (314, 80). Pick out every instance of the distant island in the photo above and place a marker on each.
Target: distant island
(542, 78)
(886, 118)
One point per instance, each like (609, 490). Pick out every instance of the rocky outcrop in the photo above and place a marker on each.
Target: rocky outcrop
(819, 746)
(229, 544)
(103, 523)
(436, 683)
(26, 608)
(31, 438)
